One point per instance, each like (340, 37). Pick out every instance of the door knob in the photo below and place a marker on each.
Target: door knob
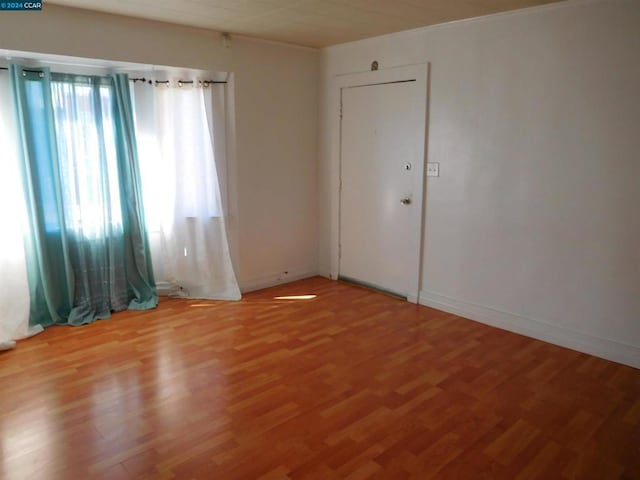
(405, 201)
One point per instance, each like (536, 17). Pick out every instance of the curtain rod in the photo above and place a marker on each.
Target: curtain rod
(206, 83)
(24, 70)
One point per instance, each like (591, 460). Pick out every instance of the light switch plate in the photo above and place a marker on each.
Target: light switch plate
(433, 169)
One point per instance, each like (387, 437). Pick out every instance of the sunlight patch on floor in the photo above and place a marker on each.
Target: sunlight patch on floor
(296, 297)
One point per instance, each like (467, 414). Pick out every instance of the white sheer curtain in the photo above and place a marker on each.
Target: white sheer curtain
(14, 289)
(183, 207)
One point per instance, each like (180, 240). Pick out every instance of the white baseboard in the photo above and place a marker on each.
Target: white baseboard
(278, 278)
(597, 346)
(164, 288)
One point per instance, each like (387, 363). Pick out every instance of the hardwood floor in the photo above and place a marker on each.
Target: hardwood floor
(350, 384)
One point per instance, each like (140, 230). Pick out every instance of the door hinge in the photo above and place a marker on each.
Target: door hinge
(339, 252)
(340, 108)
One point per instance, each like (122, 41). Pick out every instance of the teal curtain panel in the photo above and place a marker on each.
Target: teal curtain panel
(86, 248)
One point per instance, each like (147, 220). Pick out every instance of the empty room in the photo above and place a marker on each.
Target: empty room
(320, 239)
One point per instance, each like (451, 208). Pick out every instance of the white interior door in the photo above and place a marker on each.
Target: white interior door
(381, 148)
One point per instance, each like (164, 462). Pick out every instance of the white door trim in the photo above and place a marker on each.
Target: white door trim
(418, 73)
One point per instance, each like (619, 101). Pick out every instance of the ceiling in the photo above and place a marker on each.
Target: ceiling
(311, 23)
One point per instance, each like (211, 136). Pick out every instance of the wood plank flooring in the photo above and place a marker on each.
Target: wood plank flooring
(351, 384)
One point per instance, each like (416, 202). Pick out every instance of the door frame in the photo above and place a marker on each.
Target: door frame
(420, 74)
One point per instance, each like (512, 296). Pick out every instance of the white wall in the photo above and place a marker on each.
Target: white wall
(273, 188)
(534, 223)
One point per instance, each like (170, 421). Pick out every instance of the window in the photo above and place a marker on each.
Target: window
(86, 146)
